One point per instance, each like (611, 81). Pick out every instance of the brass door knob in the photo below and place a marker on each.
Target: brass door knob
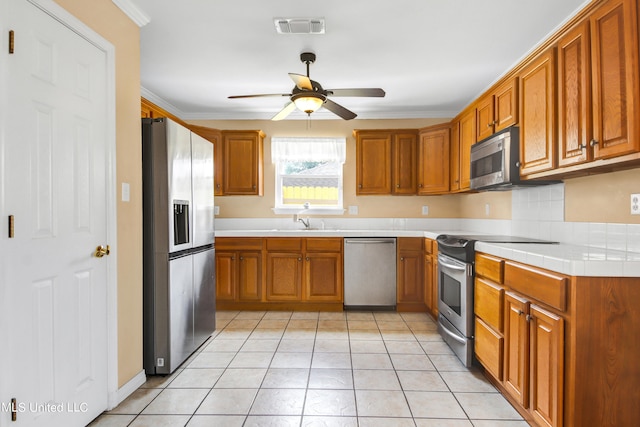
(102, 251)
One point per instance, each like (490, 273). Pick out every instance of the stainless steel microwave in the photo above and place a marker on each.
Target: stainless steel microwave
(495, 162)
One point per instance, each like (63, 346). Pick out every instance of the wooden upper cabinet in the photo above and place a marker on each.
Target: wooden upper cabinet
(373, 163)
(454, 157)
(497, 110)
(537, 112)
(467, 139)
(574, 97)
(614, 58)
(242, 166)
(433, 161)
(386, 161)
(404, 155)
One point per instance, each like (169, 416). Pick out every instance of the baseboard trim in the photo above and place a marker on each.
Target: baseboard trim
(125, 391)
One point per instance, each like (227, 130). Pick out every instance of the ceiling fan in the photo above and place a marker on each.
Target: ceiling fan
(308, 95)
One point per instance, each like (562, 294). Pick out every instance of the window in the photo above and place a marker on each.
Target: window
(308, 170)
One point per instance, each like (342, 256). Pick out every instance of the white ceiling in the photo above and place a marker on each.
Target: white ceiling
(432, 57)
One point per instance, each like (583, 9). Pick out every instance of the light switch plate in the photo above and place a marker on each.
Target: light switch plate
(216, 210)
(635, 204)
(126, 192)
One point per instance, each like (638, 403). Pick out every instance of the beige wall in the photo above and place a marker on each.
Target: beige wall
(368, 206)
(112, 24)
(602, 198)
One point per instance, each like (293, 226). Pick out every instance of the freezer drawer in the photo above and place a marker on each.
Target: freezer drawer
(370, 273)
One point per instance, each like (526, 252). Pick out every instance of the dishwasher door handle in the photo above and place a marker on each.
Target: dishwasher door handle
(369, 242)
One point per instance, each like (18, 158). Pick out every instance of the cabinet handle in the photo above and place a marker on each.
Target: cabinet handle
(359, 185)
(300, 259)
(529, 318)
(489, 124)
(420, 185)
(241, 258)
(518, 164)
(582, 147)
(593, 142)
(254, 187)
(520, 312)
(307, 258)
(397, 185)
(233, 258)
(401, 258)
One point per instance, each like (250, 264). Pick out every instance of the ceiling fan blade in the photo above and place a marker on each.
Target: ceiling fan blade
(288, 109)
(303, 82)
(258, 96)
(369, 92)
(339, 110)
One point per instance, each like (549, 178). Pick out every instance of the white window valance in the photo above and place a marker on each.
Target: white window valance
(308, 149)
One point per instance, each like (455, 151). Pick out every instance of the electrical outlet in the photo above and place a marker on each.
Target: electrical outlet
(216, 210)
(425, 210)
(487, 209)
(635, 204)
(353, 210)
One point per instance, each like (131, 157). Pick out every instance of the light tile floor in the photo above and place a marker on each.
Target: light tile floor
(367, 369)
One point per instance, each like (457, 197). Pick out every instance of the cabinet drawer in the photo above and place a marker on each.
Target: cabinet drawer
(238, 243)
(545, 286)
(488, 304)
(409, 243)
(489, 346)
(289, 244)
(324, 244)
(490, 267)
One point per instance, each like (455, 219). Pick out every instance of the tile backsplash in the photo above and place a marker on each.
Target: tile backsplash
(536, 212)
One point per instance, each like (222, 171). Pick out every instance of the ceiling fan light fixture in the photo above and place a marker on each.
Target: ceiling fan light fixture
(308, 102)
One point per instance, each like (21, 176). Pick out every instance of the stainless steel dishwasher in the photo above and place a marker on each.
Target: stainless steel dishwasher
(370, 273)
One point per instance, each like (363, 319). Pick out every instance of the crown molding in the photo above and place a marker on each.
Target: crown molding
(133, 12)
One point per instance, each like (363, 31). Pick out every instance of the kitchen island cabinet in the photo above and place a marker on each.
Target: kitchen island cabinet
(569, 343)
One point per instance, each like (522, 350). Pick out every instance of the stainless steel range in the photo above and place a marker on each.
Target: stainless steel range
(456, 259)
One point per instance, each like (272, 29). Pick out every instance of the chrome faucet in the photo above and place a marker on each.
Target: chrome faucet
(306, 223)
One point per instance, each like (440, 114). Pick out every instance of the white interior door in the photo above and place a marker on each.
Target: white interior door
(53, 156)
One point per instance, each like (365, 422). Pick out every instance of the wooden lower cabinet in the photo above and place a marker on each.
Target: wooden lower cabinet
(409, 271)
(284, 276)
(238, 270)
(431, 277)
(323, 277)
(568, 345)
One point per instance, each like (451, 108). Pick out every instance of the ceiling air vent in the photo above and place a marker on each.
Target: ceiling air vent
(299, 25)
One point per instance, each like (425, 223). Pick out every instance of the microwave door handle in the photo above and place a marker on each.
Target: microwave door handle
(453, 335)
(451, 266)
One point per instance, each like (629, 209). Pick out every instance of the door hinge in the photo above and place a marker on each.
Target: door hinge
(11, 41)
(14, 409)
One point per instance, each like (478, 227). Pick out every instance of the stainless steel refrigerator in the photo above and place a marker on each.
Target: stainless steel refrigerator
(178, 243)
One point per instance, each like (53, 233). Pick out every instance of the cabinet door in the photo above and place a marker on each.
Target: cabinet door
(434, 161)
(218, 161)
(516, 348)
(488, 346)
(505, 105)
(404, 163)
(467, 139)
(250, 276)
(410, 286)
(574, 97)
(284, 276)
(428, 283)
(242, 163)
(323, 277)
(373, 163)
(484, 118)
(614, 56)
(225, 276)
(454, 157)
(537, 109)
(547, 366)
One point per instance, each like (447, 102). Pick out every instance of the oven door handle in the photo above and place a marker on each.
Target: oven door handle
(451, 266)
(452, 335)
